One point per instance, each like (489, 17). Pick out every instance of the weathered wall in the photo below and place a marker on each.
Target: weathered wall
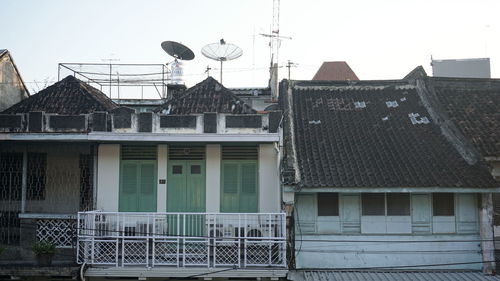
(11, 86)
(269, 188)
(62, 183)
(366, 235)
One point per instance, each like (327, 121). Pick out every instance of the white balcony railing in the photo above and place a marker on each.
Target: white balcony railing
(182, 239)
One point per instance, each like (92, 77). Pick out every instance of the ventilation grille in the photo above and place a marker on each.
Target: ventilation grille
(186, 153)
(138, 152)
(239, 153)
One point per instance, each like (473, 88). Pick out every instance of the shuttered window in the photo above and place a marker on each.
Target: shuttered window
(138, 178)
(239, 179)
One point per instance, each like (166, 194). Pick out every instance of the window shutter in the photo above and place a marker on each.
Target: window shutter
(129, 178)
(230, 180)
(248, 178)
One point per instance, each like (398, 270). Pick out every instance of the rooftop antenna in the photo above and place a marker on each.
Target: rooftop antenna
(178, 52)
(222, 52)
(274, 44)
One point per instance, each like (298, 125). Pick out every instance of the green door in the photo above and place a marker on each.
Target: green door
(186, 186)
(239, 187)
(137, 186)
(186, 193)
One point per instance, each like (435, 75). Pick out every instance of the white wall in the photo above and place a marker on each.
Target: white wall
(108, 177)
(269, 188)
(213, 184)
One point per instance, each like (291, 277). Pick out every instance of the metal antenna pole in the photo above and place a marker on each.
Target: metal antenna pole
(221, 71)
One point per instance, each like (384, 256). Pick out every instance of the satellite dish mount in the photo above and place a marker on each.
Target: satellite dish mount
(178, 52)
(221, 52)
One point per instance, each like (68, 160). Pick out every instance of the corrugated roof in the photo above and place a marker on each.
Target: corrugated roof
(206, 96)
(68, 96)
(319, 275)
(371, 134)
(335, 70)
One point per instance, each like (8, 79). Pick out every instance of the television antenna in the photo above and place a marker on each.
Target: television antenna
(222, 52)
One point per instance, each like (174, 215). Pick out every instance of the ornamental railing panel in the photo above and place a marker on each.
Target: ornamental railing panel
(182, 239)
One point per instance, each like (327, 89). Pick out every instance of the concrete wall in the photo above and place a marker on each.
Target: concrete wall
(11, 87)
(465, 68)
(108, 177)
(365, 236)
(213, 181)
(269, 186)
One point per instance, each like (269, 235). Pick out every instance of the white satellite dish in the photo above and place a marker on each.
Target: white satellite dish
(222, 52)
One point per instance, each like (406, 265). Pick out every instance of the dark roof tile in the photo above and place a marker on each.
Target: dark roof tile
(68, 96)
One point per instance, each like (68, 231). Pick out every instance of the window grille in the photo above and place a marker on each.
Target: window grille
(240, 153)
(138, 152)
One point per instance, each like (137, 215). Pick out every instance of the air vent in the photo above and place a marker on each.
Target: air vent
(186, 152)
(138, 152)
(239, 153)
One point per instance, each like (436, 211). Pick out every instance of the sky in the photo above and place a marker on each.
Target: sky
(382, 39)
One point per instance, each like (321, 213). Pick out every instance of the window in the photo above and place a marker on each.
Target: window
(328, 204)
(443, 204)
(398, 204)
(373, 204)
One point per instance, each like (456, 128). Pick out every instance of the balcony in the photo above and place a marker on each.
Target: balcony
(180, 240)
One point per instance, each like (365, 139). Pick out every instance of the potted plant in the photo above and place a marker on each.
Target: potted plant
(44, 251)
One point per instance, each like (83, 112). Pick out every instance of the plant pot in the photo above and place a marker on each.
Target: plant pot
(44, 259)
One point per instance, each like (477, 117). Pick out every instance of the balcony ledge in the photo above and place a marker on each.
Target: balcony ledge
(184, 272)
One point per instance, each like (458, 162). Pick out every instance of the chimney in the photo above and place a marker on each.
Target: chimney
(273, 81)
(175, 90)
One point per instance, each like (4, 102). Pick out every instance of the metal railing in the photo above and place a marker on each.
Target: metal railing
(238, 240)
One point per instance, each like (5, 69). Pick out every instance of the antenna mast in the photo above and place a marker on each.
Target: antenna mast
(274, 43)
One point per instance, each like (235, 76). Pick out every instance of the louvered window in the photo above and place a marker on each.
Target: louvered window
(138, 152)
(186, 153)
(239, 153)
(138, 178)
(239, 179)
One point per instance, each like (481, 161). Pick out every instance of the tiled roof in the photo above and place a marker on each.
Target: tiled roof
(68, 96)
(474, 106)
(206, 96)
(371, 134)
(335, 70)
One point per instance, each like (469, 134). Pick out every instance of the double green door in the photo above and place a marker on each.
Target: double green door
(138, 186)
(186, 186)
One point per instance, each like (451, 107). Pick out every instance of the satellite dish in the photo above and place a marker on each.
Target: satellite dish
(177, 50)
(222, 52)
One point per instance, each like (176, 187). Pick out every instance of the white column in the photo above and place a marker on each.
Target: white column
(108, 177)
(486, 233)
(213, 170)
(161, 195)
(269, 187)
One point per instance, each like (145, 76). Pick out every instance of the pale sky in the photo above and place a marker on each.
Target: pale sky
(382, 39)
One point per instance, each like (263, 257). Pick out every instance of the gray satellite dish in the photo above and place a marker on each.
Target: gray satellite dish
(177, 50)
(222, 52)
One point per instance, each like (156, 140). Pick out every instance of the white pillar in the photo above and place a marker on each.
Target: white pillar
(486, 233)
(269, 186)
(108, 177)
(213, 170)
(161, 192)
